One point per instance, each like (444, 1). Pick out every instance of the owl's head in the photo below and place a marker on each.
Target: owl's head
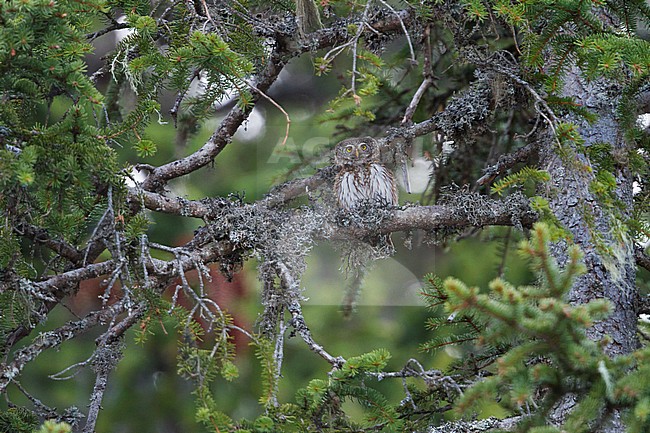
(362, 150)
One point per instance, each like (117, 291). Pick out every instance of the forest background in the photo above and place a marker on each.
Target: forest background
(452, 88)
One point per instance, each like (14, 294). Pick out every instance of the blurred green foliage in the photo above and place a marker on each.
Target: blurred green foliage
(57, 119)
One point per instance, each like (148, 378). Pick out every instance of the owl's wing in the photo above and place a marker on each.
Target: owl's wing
(382, 185)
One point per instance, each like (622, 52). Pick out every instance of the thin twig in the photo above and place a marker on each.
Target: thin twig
(298, 323)
(406, 33)
(413, 105)
(115, 332)
(545, 111)
(364, 18)
(181, 95)
(207, 12)
(77, 369)
(276, 105)
(111, 28)
(43, 410)
(292, 289)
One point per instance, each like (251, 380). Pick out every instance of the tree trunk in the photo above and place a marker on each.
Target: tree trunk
(608, 250)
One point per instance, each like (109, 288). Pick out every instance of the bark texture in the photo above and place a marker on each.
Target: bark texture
(608, 253)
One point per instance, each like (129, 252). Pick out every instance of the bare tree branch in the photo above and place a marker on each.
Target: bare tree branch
(59, 246)
(96, 398)
(171, 205)
(292, 288)
(107, 357)
(63, 280)
(642, 258)
(114, 333)
(644, 305)
(114, 26)
(413, 105)
(506, 162)
(286, 192)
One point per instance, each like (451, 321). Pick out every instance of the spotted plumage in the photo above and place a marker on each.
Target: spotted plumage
(362, 179)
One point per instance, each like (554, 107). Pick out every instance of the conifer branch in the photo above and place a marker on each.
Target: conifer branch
(280, 194)
(221, 136)
(60, 200)
(179, 98)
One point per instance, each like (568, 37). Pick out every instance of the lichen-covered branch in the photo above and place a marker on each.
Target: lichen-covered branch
(478, 426)
(63, 280)
(55, 338)
(107, 357)
(298, 323)
(490, 212)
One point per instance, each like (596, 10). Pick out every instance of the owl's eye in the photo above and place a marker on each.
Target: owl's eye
(364, 147)
(348, 149)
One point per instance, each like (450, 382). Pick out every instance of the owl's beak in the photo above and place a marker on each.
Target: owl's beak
(356, 151)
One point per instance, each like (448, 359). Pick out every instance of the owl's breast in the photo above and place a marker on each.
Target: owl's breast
(351, 188)
(370, 184)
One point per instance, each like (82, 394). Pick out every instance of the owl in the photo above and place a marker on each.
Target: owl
(362, 179)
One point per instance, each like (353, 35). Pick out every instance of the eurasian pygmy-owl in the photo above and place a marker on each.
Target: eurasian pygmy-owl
(362, 178)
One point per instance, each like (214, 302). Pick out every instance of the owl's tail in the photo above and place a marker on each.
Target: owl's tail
(382, 245)
(352, 291)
